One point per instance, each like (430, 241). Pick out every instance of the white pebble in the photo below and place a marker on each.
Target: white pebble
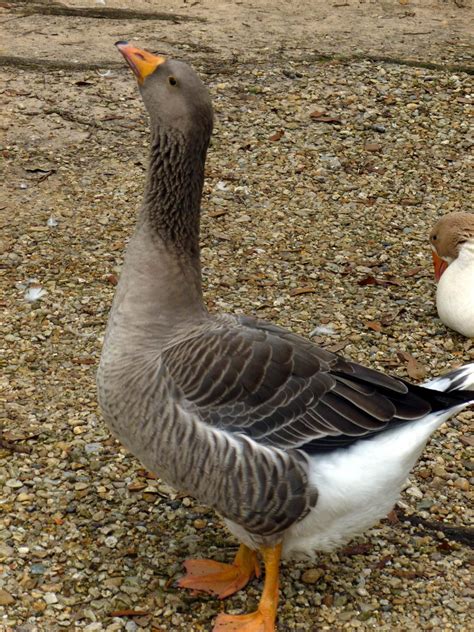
(50, 598)
(111, 541)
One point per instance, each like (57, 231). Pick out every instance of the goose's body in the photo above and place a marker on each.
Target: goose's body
(452, 240)
(297, 448)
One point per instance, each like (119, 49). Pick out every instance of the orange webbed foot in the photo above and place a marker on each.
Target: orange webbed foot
(253, 622)
(263, 619)
(221, 579)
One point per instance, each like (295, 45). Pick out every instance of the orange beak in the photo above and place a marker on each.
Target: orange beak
(140, 61)
(440, 265)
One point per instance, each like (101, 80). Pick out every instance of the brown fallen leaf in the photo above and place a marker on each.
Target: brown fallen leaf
(147, 474)
(357, 549)
(374, 325)
(217, 213)
(338, 346)
(84, 360)
(332, 120)
(368, 280)
(328, 600)
(112, 279)
(413, 271)
(392, 517)
(444, 546)
(415, 369)
(370, 201)
(371, 280)
(126, 612)
(137, 486)
(317, 114)
(410, 201)
(302, 290)
(277, 135)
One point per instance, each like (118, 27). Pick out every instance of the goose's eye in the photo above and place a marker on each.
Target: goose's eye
(172, 81)
(434, 238)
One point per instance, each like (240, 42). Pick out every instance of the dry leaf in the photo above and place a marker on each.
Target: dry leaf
(147, 474)
(328, 600)
(137, 486)
(357, 549)
(415, 369)
(126, 612)
(392, 517)
(370, 201)
(276, 135)
(413, 271)
(112, 279)
(338, 346)
(371, 280)
(325, 119)
(84, 360)
(317, 114)
(368, 280)
(374, 325)
(302, 290)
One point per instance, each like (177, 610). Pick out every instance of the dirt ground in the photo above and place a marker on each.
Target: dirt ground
(342, 133)
(424, 31)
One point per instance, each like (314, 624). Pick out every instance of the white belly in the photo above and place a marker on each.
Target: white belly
(455, 297)
(358, 486)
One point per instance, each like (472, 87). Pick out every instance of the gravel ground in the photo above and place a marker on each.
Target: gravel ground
(323, 181)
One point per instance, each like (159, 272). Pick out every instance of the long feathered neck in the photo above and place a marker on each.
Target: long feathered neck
(173, 190)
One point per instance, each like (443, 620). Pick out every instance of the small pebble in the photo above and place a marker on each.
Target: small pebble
(111, 541)
(462, 483)
(50, 598)
(312, 575)
(5, 598)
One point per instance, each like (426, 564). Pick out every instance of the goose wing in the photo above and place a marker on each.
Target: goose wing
(252, 378)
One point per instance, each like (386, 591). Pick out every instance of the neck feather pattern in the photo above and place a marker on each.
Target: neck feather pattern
(173, 191)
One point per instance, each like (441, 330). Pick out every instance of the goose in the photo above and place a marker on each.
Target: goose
(452, 243)
(297, 448)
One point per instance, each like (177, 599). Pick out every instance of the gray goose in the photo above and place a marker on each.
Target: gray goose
(296, 448)
(452, 243)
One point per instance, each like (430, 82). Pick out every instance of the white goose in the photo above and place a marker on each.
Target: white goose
(452, 242)
(297, 448)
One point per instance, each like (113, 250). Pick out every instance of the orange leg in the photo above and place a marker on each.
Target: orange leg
(263, 619)
(220, 579)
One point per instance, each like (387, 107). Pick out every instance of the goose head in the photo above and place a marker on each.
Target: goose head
(451, 237)
(175, 97)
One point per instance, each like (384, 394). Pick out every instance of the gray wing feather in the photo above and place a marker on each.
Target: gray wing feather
(252, 378)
